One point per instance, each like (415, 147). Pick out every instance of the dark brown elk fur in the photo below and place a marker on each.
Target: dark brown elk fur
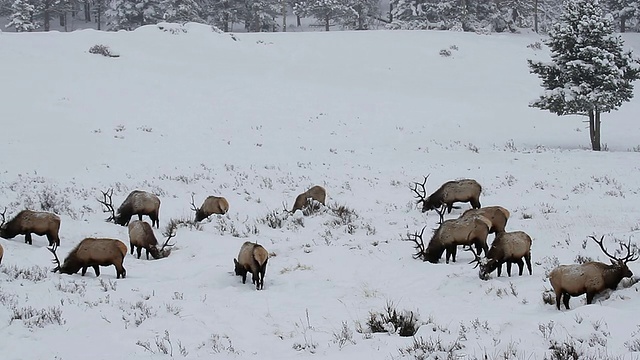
(317, 193)
(93, 252)
(496, 214)
(450, 234)
(507, 247)
(29, 222)
(252, 258)
(464, 190)
(1, 253)
(211, 205)
(591, 277)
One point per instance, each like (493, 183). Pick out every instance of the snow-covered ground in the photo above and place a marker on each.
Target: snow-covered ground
(262, 117)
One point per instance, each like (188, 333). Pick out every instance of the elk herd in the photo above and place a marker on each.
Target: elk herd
(470, 230)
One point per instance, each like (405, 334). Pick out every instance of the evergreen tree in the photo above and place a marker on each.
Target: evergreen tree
(182, 11)
(589, 73)
(130, 14)
(326, 11)
(21, 17)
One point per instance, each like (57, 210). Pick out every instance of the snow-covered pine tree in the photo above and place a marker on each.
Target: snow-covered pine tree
(364, 11)
(130, 14)
(21, 17)
(590, 72)
(182, 11)
(623, 11)
(222, 13)
(327, 12)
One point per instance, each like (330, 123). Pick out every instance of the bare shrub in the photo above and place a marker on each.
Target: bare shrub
(107, 285)
(103, 50)
(34, 273)
(344, 336)
(445, 53)
(535, 45)
(72, 287)
(37, 317)
(218, 344)
(422, 349)
(273, 219)
(390, 320)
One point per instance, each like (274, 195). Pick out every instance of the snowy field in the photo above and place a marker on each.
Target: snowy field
(259, 118)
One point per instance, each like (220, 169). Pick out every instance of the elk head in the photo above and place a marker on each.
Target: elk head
(420, 191)
(619, 262)
(483, 274)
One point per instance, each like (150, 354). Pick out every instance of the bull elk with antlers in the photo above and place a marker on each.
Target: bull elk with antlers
(592, 277)
(464, 190)
(211, 205)
(507, 247)
(28, 222)
(141, 236)
(450, 234)
(93, 252)
(138, 202)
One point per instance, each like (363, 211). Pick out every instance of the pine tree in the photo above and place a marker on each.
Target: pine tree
(182, 11)
(325, 11)
(130, 14)
(589, 73)
(22, 16)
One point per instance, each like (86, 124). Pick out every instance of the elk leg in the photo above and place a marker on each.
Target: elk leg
(139, 251)
(558, 298)
(84, 270)
(147, 250)
(454, 251)
(499, 268)
(475, 203)
(244, 278)
(132, 248)
(590, 296)
(447, 254)
(520, 266)
(509, 267)
(527, 258)
(27, 239)
(565, 301)
(140, 217)
(96, 269)
(449, 207)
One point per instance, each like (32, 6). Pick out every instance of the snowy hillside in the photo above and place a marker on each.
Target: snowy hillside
(259, 118)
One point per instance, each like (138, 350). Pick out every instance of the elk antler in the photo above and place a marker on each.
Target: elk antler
(284, 207)
(169, 232)
(108, 203)
(55, 258)
(3, 218)
(421, 194)
(477, 259)
(193, 205)
(632, 255)
(419, 243)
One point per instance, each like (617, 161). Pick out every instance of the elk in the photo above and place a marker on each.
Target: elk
(28, 222)
(507, 247)
(1, 253)
(137, 202)
(93, 252)
(450, 234)
(141, 236)
(496, 214)
(464, 190)
(252, 258)
(211, 205)
(591, 277)
(317, 193)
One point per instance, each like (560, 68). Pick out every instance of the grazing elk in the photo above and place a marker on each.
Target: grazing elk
(496, 214)
(93, 252)
(450, 234)
(28, 222)
(507, 247)
(252, 258)
(141, 236)
(591, 277)
(317, 193)
(138, 202)
(464, 190)
(211, 205)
